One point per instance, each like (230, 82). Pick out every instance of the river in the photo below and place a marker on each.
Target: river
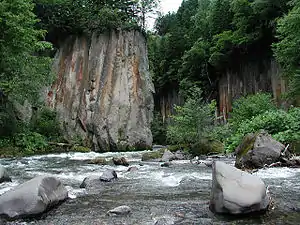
(178, 194)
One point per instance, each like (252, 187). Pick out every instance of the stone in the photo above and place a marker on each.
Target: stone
(132, 169)
(103, 91)
(256, 151)
(99, 161)
(32, 197)
(236, 192)
(120, 161)
(120, 211)
(164, 221)
(108, 176)
(165, 164)
(90, 181)
(4, 177)
(179, 155)
(168, 156)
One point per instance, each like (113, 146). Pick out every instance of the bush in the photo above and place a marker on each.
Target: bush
(47, 124)
(247, 107)
(283, 126)
(30, 142)
(191, 121)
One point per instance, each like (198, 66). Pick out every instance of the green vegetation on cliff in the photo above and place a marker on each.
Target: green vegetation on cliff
(204, 40)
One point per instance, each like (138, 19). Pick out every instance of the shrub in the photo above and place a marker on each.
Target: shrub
(247, 107)
(30, 142)
(191, 121)
(283, 126)
(47, 124)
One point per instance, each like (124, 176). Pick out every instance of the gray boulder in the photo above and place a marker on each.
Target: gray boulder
(32, 197)
(90, 181)
(132, 169)
(236, 192)
(168, 156)
(179, 155)
(4, 177)
(120, 210)
(108, 176)
(256, 151)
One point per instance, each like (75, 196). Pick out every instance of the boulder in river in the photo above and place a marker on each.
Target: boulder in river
(120, 161)
(132, 169)
(120, 211)
(4, 177)
(168, 156)
(90, 181)
(99, 161)
(236, 192)
(108, 176)
(32, 197)
(258, 150)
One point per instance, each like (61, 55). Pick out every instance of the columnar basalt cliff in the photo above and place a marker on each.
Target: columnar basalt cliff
(103, 91)
(250, 78)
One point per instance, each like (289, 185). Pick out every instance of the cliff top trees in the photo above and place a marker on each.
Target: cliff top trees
(64, 17)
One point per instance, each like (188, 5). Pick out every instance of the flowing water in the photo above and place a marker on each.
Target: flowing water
(178, 194)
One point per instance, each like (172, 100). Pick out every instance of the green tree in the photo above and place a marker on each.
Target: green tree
(23, 71)
(287, 50)
(191, 121)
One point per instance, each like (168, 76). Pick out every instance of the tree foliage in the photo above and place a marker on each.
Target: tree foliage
(22, 70)
(287, 50)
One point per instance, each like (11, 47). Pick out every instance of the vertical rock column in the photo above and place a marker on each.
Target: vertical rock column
(103, 91)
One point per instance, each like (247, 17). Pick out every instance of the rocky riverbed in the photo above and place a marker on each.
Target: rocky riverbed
(178, 194)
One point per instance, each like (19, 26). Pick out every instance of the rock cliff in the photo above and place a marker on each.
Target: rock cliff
(103, 92)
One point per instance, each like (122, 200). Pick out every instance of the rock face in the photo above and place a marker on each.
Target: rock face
(32, 197)
(103, 91)
(236, 192)
(4, 177)
(257, 151)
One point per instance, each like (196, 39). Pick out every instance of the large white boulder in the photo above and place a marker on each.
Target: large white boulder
(236, 192)
(32, 197)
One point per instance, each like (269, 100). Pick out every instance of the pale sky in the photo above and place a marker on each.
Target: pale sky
(170, 5)
(165, 7)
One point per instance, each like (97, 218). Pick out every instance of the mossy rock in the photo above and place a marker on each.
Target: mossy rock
(99, 161)
(79, 148)
(246, 145)
(147, 156)
(206, 146)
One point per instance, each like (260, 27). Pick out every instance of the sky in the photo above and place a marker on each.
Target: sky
(165, 7)
(170, 5)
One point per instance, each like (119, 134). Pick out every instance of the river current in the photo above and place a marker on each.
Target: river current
(178, 194)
